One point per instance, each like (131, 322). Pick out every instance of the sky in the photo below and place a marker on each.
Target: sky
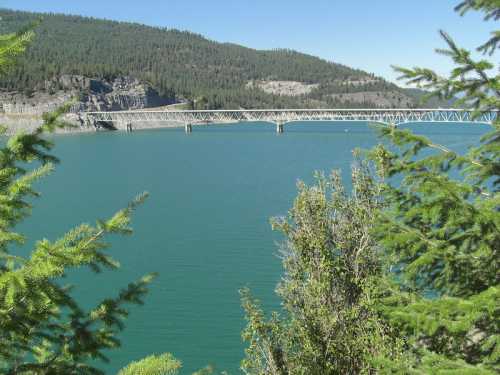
(367, 34)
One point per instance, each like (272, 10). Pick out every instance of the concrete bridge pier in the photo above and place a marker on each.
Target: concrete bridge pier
(188, 128)
(91, 123)
(280, 128)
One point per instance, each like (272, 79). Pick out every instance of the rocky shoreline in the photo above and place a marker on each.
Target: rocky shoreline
(29, 123)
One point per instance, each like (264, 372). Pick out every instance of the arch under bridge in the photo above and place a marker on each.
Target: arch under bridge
(125, 120)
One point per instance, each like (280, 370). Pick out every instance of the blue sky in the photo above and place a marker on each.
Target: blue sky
(365, 34)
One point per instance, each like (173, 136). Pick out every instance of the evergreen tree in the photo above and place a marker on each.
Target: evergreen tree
(442, 225)
(43, 329)
(403, 275)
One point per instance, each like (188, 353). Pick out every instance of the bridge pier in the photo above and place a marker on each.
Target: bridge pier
(91, 123)
(188, 128)
(280, 128)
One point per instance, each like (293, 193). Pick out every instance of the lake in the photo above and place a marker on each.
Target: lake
(205, 228)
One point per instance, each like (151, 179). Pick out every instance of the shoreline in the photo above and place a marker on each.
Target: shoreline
(15, 123)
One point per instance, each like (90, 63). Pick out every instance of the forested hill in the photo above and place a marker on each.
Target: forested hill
(181, 65)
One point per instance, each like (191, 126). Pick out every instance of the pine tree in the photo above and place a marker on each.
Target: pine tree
(43, 329)
(402, 276)
(442, 225)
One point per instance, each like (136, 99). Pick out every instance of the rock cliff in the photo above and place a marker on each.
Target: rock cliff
(122, 93)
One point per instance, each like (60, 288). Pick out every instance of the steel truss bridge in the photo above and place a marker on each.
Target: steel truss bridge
(125, 120)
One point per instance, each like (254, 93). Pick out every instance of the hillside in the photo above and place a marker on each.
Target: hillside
(182, 66)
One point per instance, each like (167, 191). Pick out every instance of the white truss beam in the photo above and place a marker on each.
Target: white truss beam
(282, 116)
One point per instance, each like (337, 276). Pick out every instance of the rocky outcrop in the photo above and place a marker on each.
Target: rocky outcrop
(380, 99)
(287, 88)
(370, 98)
(122, 93)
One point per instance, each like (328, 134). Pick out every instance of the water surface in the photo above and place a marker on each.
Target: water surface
(205, 229)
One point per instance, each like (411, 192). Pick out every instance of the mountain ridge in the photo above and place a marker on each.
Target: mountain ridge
(183, 66)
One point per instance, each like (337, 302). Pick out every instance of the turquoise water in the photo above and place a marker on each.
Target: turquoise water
(205, 229)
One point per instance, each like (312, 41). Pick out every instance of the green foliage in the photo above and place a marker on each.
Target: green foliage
(434, 220)
(490, 8)
(164, 364)
(44, 330)
(333, 268)
(11, 46)
(442, 225)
